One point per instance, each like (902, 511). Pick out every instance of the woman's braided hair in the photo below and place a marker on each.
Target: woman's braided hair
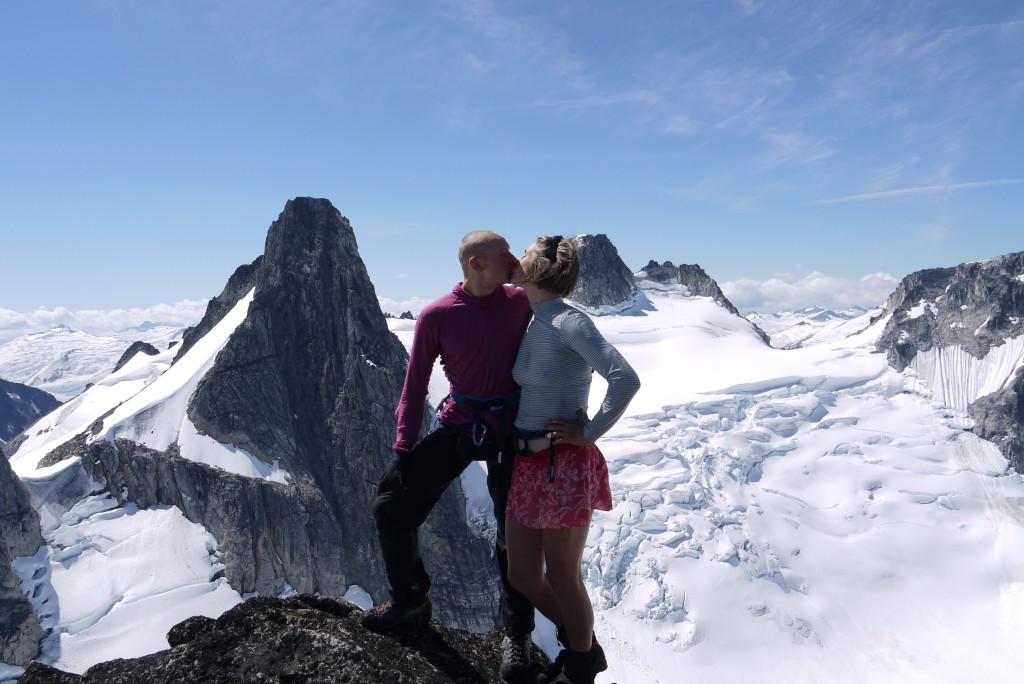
(556, 267)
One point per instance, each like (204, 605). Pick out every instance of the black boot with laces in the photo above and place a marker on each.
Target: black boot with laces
(515, 658)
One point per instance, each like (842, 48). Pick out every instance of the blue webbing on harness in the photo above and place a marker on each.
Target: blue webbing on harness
(478, 429)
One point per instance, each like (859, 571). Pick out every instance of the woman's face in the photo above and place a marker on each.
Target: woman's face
(519, 270)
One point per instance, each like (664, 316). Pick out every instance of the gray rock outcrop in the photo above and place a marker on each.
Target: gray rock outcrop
(304, 638)
(19, 536)
(20, 406)
(972, 307)
(605, 281)
(138, 347)
(999, 418)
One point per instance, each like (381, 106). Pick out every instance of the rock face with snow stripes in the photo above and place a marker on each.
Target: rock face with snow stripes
(961, 329)
(19, 536)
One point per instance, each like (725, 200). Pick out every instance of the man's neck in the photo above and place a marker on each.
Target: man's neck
(478, 289)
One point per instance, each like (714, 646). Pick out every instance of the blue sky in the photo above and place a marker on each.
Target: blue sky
(800, 152)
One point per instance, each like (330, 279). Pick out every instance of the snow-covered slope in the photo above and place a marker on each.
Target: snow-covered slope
(145, 401)
(799, 516)
(63, 361)
(796, 516)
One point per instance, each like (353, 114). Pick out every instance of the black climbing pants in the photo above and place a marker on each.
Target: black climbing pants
(411, 488)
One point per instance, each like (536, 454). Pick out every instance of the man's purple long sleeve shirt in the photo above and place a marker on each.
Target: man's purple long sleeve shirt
(477, 339)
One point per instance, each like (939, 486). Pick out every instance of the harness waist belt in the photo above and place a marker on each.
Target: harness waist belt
(478, 429)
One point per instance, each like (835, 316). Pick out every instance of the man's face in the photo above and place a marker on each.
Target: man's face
(497, 263)
(522, 263)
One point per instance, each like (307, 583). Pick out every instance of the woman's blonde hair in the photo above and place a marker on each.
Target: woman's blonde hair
(556, 266)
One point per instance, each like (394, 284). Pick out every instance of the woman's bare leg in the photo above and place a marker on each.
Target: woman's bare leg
(563, 553)
(526, 569)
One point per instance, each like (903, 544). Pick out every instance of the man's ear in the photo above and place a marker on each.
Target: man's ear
(474, 264)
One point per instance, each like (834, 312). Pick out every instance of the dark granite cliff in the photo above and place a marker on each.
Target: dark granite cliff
(19, 536)
(138, 347)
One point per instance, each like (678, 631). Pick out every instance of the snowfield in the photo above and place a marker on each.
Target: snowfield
(804, 515)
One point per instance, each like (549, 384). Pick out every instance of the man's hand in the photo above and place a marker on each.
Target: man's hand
(568, 431)
(403, 468)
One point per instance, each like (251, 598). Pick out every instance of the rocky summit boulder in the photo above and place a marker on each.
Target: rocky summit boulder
(304, 638)
(19, 536)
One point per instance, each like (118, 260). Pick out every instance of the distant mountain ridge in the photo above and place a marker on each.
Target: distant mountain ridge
(813, 325)
(64, 361)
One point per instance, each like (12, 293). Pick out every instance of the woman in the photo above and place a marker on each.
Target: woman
(560, 476)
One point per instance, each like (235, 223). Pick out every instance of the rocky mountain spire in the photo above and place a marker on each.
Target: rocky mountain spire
(308, 381)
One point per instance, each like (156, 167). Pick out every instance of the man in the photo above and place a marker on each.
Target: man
(476, 330)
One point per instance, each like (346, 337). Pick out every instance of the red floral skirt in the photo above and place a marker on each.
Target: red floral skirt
(580, 487)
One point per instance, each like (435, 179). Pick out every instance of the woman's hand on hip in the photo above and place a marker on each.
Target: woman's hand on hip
(568, 431)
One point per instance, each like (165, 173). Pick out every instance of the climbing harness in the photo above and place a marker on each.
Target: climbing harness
(478, 428)
(522, 442)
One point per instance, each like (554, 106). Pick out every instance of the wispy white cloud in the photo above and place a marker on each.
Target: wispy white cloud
(96, 321)
(789, 291)
(636, 96)
(899, 193)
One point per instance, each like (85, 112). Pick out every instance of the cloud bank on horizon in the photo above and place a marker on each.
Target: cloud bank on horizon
(97, 321)
(782, 292)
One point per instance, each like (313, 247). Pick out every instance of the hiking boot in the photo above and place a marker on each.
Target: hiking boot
(389, 615)
(515, 658)
(600, 661)
(577, 668)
